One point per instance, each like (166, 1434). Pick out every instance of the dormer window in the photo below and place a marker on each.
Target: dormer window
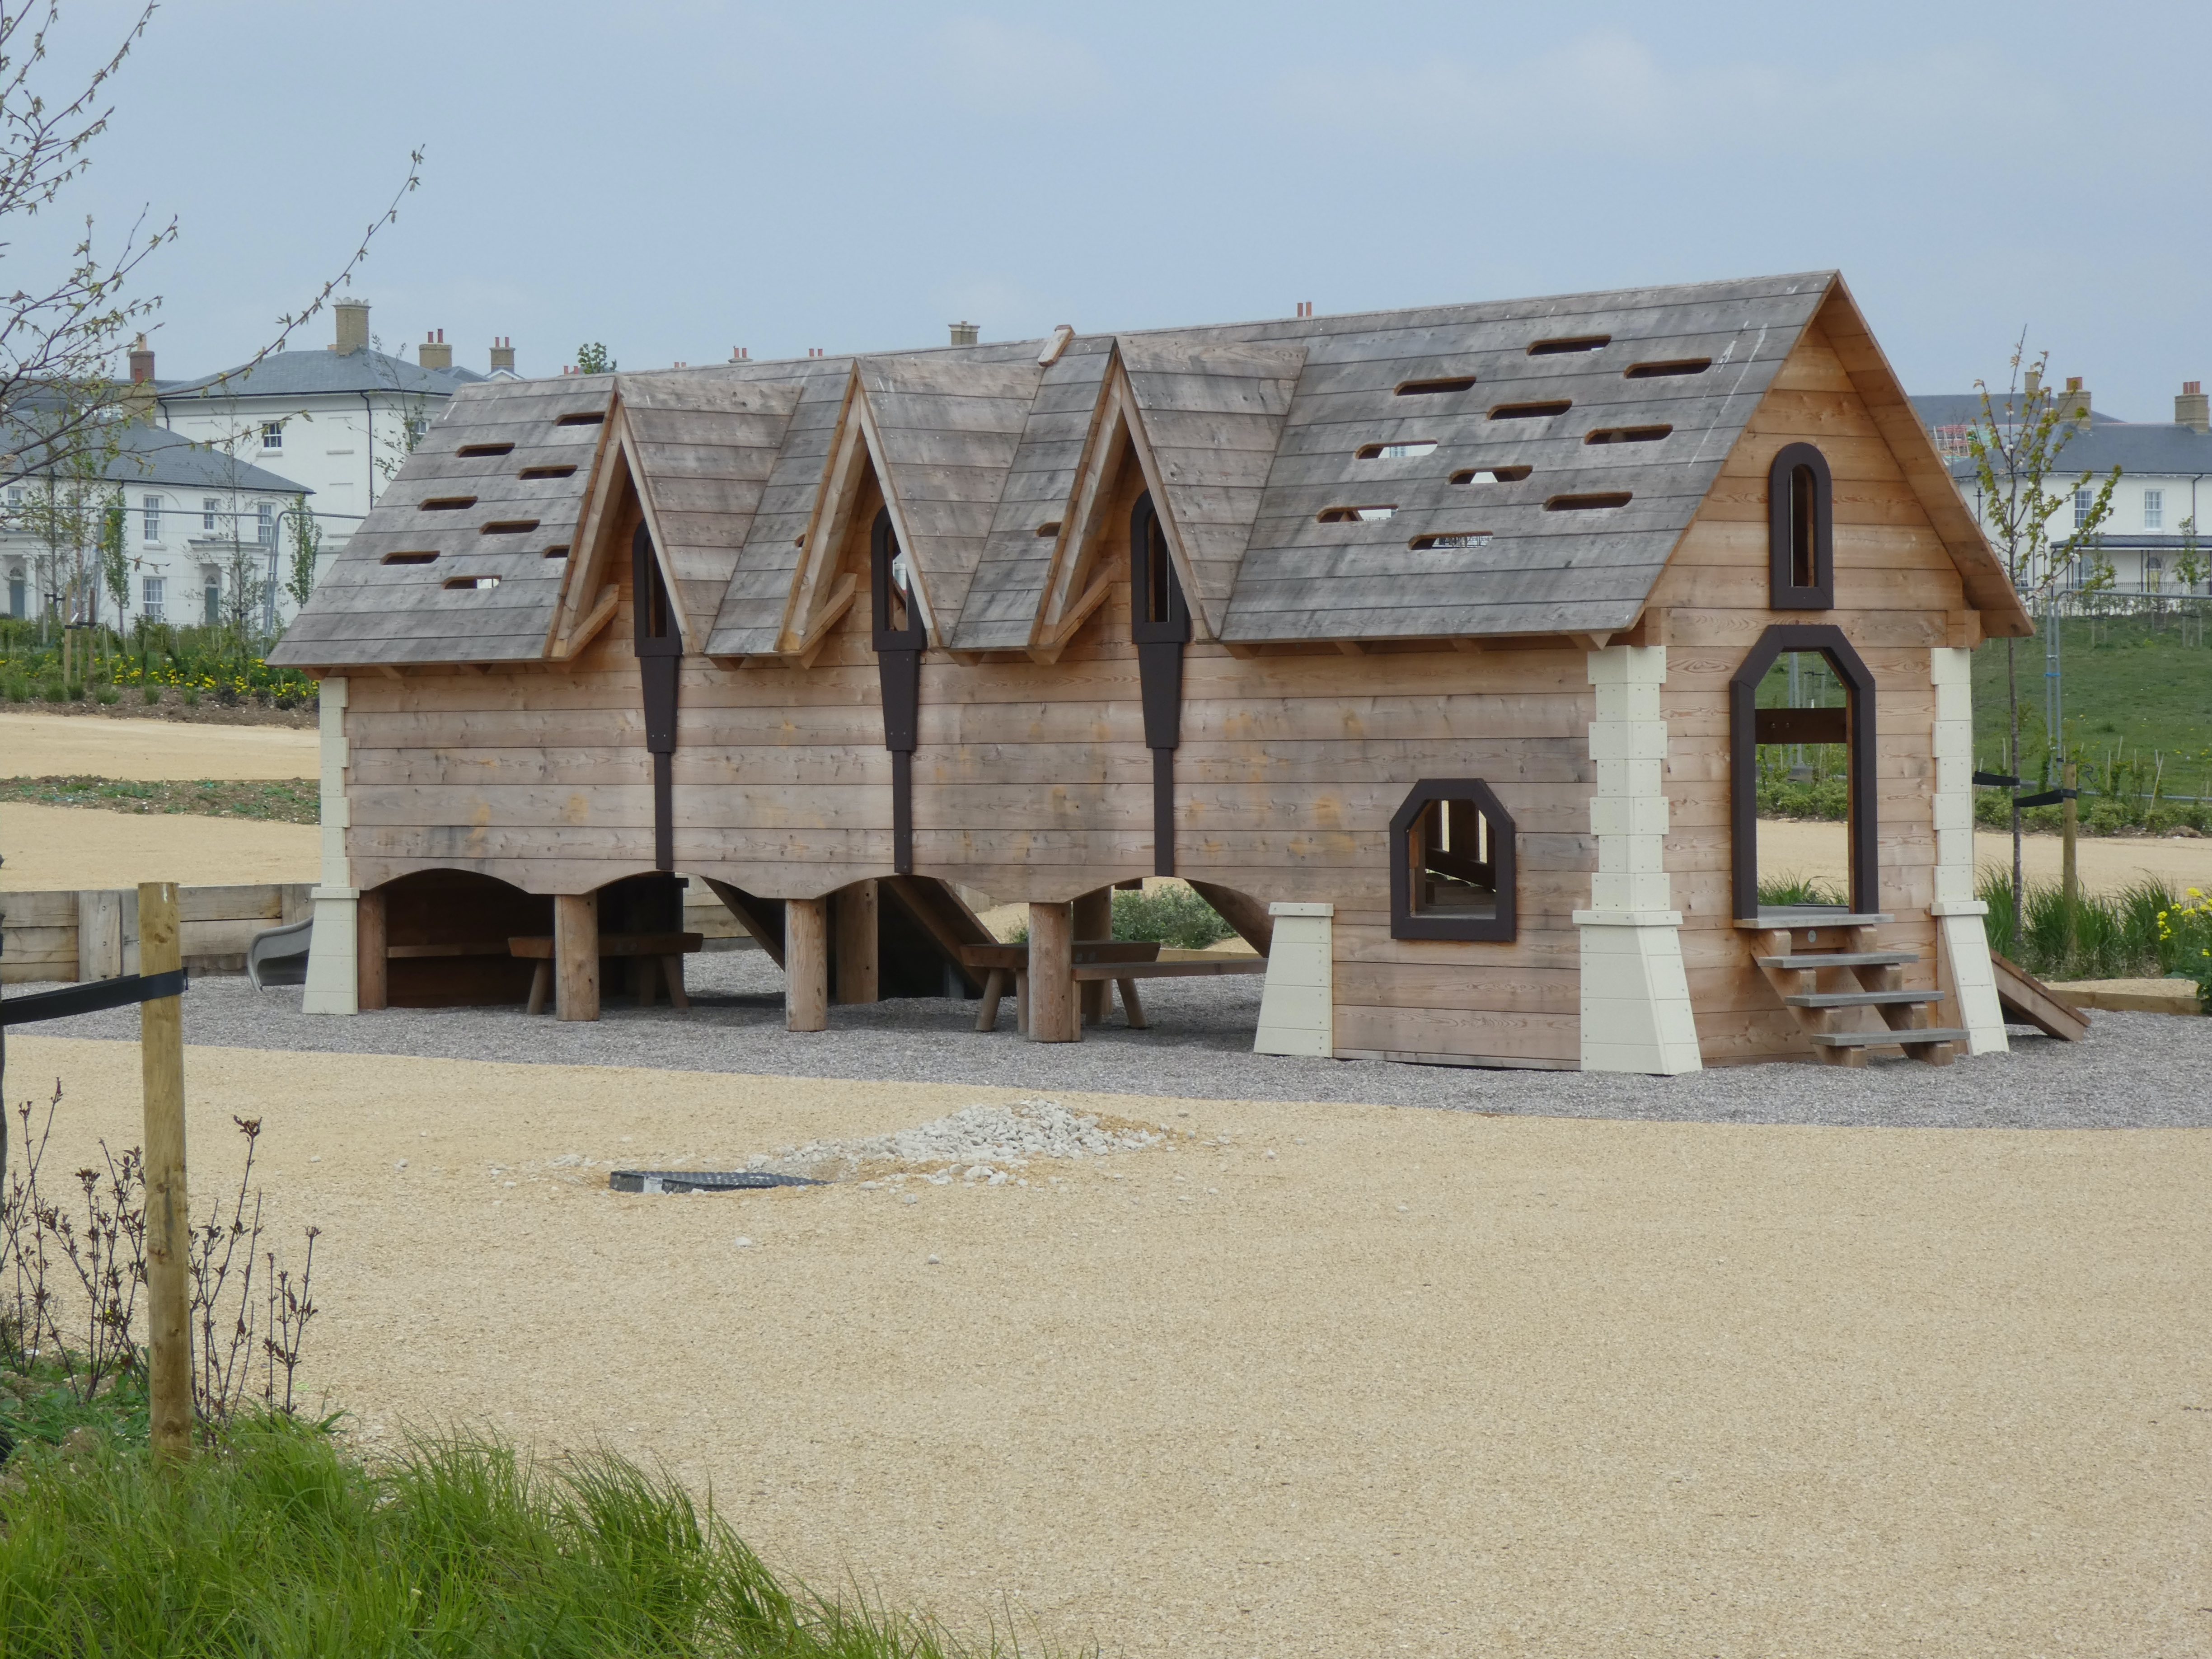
(1801, 530)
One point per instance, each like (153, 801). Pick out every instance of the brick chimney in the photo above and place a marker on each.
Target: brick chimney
(2192, 408)
(2073, 405)
(502, 355)
(353, 326)
(965, 333)
(433, 352)
(142, 364)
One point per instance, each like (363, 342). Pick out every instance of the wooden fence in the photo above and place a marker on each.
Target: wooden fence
(93, 934)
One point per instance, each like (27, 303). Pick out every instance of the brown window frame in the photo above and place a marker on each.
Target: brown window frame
(1785, 591)
(1405, 922)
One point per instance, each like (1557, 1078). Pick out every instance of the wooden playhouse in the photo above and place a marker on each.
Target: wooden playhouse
(1435, 647)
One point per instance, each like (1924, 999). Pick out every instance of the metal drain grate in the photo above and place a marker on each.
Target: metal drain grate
(701, 1180)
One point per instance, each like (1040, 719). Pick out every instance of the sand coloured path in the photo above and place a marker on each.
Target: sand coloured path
(1425, 1381)
(51, 847)
(61, 746)
(2107, 863)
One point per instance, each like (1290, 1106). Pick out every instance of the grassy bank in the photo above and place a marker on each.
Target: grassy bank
(283, 800)
(2133, 692)
(277, 1542)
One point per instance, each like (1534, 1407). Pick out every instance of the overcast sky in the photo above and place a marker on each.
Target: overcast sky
(679, 179)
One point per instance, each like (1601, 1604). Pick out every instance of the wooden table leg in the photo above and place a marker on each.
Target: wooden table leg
(1022, 1001)
(541, 981)
(576, 956)
(672, 970)
(994, 987)
(1130, 1005)
(643, 984)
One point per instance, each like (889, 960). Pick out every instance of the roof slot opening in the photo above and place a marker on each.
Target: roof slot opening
(407, 558)
(1049, 528)
(1434, 388)
(592, 418)
(1542, 409)
(485, 449)
(1628, 435)
(1481, 475)
(1451, 539)
(1355, 514)
(549, 471)
(454, 583)
(509, 527)
(1573, 343)
(446, 504)
(1599, 502)
(560, 552)
(1662, 371)
(1409, 450)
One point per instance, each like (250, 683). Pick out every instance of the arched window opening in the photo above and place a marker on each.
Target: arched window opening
(1158, 609)
(1159, 623)
(897, 618)
(1801, 530)
(1452, 863)
(1801, 743)
(898, 637)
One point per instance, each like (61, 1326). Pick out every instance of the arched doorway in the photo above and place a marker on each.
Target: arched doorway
(1848, 724)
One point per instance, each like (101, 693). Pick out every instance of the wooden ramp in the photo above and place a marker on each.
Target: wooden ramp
(2027, 998)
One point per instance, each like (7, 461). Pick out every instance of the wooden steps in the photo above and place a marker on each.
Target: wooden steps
(1795, 947)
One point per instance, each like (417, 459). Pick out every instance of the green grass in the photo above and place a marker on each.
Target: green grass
(2131, 685)
(282, 800)
(279, 1544)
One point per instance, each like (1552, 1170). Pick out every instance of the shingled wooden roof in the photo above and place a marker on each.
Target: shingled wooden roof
(1520, 467)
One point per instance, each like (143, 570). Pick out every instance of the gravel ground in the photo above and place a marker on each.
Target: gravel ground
(2137, 1071)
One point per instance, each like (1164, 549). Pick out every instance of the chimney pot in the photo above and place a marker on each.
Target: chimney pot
(352, 316)
(141, 362)
(2191, 409)
(502, 355)
(965, 333)
(433, 352)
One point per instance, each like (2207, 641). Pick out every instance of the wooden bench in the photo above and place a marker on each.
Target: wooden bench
(1121, 961)
(664, 952)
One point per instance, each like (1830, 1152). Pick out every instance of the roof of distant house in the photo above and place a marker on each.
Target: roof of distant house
(147, 454)
(311, 373)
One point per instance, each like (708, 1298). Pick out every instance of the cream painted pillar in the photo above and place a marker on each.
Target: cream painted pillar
(1298, 1006)
(333, 964)
(1963, 944)
(1635, 996)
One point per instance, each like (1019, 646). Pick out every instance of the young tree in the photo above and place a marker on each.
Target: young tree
(592, 359)
(2017, 448)
(307, 532)
(2190, 568)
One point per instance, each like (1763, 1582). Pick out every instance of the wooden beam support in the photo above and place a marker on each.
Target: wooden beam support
(576, 956)
(1052, 975)
(858, 930)
(372, 956)
(1094, 920)
(583, 633)
(807, 964)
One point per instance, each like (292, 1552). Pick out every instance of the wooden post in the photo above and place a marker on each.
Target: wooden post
(576, 956)
(807, 964)
(1051, 975)
(1094, 920)
(168, 1202)
(373, 963)
(859, 974)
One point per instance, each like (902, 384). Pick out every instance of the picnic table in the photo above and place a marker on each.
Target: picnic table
(662, 951)
(1121, 962)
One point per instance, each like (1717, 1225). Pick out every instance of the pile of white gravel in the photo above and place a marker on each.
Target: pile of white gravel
(989, 1139)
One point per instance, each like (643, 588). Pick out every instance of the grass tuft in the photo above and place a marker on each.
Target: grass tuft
(276, 1542)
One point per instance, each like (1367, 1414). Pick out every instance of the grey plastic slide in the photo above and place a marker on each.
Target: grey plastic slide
(275, 944)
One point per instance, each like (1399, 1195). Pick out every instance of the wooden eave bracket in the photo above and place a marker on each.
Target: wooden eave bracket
(809, 645)
(1071, 624)
(581, 634)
